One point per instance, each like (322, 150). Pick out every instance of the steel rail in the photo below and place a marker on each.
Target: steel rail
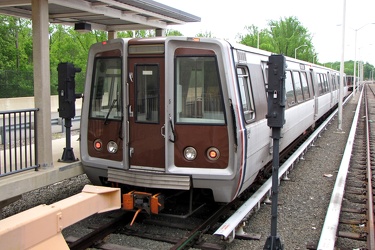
(370, 203)
(329, 231)
(196, 233)
(229, 226)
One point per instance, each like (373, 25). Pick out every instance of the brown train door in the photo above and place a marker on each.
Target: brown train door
(146, 112)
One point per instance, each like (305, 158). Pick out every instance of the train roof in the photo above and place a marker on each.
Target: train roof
(233, 45)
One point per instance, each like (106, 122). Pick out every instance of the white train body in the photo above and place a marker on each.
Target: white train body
(164, 101)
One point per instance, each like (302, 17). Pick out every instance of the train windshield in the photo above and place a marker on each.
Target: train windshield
(198, 96)
(106, 89)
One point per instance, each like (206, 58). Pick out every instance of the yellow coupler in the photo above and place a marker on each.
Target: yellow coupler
(40, 227)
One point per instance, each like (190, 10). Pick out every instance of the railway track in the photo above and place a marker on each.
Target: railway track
(350, 213)
(181, 235)
(184, 234)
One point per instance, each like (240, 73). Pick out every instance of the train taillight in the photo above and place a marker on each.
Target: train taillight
(213, 153)
(194, 39)
(98, 145)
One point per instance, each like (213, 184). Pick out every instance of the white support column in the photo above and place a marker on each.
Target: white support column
(42, 87)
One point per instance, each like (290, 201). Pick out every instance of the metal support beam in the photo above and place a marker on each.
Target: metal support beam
(41, 226)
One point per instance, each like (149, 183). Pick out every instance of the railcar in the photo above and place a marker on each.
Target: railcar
(176, 114)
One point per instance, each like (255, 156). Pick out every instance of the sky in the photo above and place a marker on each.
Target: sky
(322, 18)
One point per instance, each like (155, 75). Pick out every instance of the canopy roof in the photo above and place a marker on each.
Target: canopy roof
(109, 15)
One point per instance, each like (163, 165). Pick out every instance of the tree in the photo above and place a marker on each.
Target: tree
(205, 34)
(287, 35)
(68, 45)
(255, 36)
(173, 33)
(282, 37)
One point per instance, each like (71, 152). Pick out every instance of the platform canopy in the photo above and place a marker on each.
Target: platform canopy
(108, 15)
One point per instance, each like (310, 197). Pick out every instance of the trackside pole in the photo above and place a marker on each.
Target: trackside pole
(275, 120)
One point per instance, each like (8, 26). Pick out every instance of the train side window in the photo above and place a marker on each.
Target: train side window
(305, 87)
(320, 85)
(289, 90)
(325, 83)
(334, 85)
(264, 65)
(106, 89)
(297, 86)
(246, 94)
(198, 90)
(311, 82)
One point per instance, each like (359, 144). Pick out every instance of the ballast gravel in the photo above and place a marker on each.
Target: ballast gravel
(303, 200)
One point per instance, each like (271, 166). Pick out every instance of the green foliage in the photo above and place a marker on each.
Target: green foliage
(207, 34)
(286, 36)
(173, 33)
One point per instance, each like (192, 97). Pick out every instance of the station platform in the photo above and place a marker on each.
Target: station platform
(13, 186)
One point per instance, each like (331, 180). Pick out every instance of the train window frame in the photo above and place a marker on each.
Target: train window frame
(108, 111)
(246, 93)
(211, 94)
(291, 98)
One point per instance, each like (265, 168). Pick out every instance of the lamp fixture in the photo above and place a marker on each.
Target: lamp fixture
(82, 27)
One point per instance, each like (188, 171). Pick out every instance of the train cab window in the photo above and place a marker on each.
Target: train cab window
(289, 90)
(305, 87)
(246, 94)
(297, 86)
(198, 92)
(106, 89)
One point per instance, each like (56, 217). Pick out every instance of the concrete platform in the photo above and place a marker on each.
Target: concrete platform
(13, 186)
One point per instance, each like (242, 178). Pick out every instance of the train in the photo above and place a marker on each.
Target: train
(169, 115)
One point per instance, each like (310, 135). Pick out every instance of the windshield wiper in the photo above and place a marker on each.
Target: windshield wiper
(109, 111)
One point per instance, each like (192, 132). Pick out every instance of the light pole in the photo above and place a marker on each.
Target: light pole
(355, 55)
(295, 50)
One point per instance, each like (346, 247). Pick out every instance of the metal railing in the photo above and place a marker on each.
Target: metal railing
(17, 141)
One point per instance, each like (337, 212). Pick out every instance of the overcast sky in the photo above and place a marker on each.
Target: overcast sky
(227, 19)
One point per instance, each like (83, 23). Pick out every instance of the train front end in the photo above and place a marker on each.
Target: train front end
(157, 118)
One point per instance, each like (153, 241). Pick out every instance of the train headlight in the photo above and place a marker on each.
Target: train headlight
(190, 153)
(98, 145)
(112, 147)
(213, 153)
